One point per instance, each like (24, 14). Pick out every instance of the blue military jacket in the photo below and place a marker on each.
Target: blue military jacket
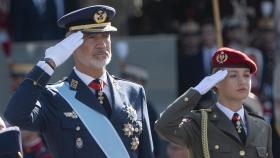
(35, 106)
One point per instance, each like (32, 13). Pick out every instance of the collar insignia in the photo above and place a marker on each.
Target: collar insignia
(74, 83)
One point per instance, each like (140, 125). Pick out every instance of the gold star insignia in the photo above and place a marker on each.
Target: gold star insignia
(128, 129)
(135, 143)
(131, 112)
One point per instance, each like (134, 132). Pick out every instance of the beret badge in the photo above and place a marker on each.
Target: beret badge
(100, 16)
(221, 58)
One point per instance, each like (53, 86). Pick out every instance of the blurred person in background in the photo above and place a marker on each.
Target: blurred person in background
(138, 74)
(267, 43)
(5, 40)
(275, 123)
(33, 20)
(32, 143)
(189, 56)
(196, 45)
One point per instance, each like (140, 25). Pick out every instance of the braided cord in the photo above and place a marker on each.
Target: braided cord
(204, 132)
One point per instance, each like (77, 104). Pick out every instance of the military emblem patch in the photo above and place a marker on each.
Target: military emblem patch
(74, 83)
(100, 16)
(72, 114)
(221, 58)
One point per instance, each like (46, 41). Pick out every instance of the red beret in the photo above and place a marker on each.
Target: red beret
(227, 57)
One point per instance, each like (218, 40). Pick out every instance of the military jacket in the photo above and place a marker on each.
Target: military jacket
(35, 106)
(181, 125)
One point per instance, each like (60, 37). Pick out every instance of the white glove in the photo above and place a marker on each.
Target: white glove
(2, 124)
(210, 81)
(62, 50)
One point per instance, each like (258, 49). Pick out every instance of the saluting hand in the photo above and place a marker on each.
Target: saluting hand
(2, 124)
(62, 50)
(210, 81)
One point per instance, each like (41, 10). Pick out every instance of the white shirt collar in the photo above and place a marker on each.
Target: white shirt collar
(229, 113)
(87, 79)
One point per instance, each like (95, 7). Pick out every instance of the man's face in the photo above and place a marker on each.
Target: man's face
(236, 86)
(95, 52)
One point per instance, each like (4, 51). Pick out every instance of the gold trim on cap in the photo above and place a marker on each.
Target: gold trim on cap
(89, 26)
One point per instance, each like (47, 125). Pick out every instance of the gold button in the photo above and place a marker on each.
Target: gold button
(78, 128)
(242, 152)
(186, 99)
(217, 147)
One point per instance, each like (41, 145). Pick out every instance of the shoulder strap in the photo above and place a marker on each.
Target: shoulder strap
(102, 130)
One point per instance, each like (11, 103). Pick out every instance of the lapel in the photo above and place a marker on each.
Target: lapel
(252, 125)
(221, 121)
(84, 94)
(118, 99)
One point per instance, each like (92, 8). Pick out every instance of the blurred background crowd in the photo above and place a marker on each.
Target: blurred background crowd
(185, 26)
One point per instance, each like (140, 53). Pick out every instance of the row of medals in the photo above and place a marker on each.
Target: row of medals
(132, 126)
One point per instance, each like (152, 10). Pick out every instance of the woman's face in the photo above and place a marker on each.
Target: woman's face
(236, 86)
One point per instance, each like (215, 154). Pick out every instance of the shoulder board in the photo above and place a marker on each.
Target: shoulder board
(59, 81)
(200, 110)
(116, 78)
(255, 115)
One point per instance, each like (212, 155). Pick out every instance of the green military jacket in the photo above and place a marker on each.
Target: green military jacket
(181, 125)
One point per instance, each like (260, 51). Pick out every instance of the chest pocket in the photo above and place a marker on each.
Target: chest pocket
(74, 125)
(262, 152)
(219, 150)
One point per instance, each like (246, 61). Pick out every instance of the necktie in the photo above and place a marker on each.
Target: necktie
(98, 86)
(237, 122)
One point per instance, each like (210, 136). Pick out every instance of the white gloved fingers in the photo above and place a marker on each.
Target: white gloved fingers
(69, 43)
(63, 50)
(210, 81)
(219, 75)
(77, 44)
(74, 37)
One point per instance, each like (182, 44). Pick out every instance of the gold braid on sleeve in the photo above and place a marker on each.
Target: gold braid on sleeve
(204, 132)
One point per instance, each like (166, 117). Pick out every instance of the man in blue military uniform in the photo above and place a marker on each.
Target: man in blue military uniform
(91, 113)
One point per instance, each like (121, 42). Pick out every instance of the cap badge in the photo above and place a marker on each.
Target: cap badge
(221, 58)
(100, 16)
